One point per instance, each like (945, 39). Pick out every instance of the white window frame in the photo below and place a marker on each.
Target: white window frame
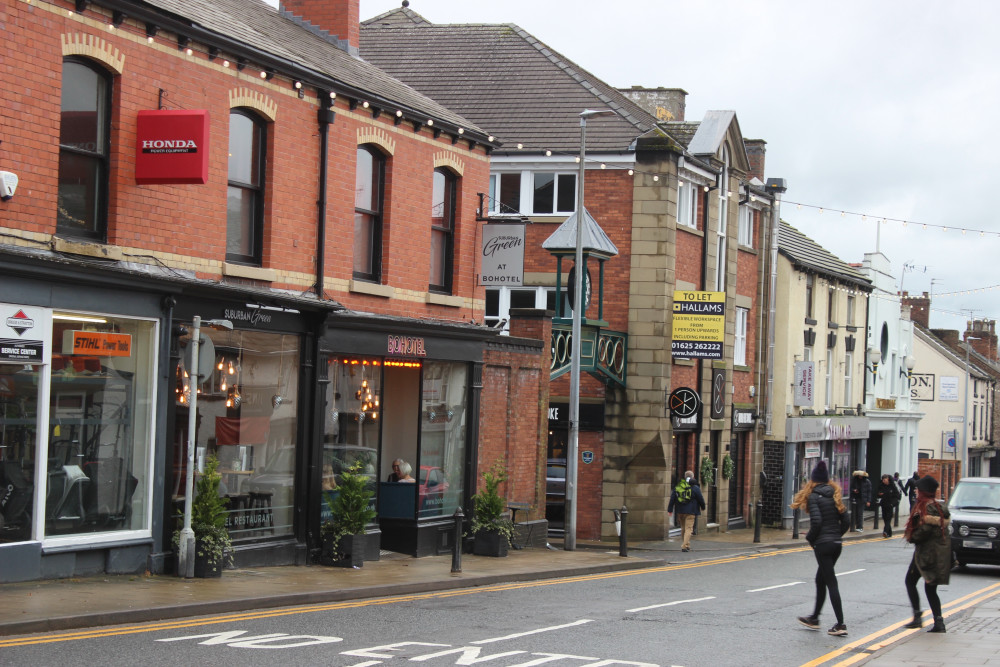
(829, 378)
(527, 191)
(503, 308)
(745, 226)
(740, 338)
(687, 204)
(848, 378)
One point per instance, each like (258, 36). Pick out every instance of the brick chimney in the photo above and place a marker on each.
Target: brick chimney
(756, 148)
(920, 308)
(984, 331)
(341, 19)
(664, 103)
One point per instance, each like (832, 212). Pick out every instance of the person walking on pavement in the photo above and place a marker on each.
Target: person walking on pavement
(927, 530)
(828, 521)
(686, 498)
(888, 497)
(861, 497)
(910, 488)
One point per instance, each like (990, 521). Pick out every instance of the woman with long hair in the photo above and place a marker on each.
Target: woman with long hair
(828, 521)
(927, 530)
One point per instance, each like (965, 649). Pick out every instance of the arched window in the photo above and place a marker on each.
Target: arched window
(368, 194)
(84, 145)
(442, 230)
(245, 200)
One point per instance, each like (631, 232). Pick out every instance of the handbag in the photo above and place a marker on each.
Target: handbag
(845, 521)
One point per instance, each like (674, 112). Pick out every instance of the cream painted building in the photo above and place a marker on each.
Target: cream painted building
(814, 409)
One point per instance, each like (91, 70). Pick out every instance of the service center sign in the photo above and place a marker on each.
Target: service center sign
(699, 327)
(25, 334)
(171, 146)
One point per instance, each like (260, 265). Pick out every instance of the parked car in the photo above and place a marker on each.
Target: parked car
(975, 520)
(555, 493)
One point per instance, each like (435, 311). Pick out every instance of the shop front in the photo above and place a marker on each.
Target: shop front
(400, 403)
(839, 441)
(78, 386)
(253, 413)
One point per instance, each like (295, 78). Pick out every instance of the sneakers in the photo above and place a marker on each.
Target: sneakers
(839, 630)
(811, 622)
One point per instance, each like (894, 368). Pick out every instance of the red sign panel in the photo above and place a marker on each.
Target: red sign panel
(171, 146)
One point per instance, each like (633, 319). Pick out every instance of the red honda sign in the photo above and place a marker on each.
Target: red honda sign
(171, 147)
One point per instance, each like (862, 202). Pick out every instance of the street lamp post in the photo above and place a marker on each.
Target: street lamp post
(185, 548)
(575, 342)
(965, 411)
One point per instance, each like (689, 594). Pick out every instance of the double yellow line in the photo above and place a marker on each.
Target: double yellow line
(866, 646)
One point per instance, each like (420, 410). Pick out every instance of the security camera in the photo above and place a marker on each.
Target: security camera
(8, 184)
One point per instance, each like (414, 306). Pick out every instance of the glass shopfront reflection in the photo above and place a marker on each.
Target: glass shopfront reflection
(406, 422)
(247, 418)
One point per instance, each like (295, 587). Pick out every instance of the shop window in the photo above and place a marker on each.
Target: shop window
(442, 230)
(247, 418)
(368, 196)
(245, 199)
(100, 425)
(443, 425)
(84, 146)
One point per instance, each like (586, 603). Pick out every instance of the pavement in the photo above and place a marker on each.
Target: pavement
(53, 606)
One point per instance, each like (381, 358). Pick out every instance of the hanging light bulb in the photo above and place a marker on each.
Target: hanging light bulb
(232, 370)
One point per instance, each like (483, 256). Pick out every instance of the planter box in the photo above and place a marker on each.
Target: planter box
(350, 552)
(205, 568)
(490, 543)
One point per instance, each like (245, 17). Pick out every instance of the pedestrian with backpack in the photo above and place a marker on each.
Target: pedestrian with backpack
(829, 519)
(686, 498)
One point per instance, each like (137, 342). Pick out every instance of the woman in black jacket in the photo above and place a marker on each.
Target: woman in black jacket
(827, 523)
(888, 496)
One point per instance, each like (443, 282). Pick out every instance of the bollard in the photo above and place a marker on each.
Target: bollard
(456, 551)
(854, 516)
(795, 523)
(623, 533)
(895, 518)
(756, 527)
(877, 511)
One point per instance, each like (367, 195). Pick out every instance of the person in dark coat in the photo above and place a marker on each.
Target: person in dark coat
(910, 488)
(686, 498)
(828, 521)
(887, 496)
(861, 496)
(927, 530)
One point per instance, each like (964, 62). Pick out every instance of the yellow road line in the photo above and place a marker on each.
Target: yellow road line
(948, 609)
(157, 626)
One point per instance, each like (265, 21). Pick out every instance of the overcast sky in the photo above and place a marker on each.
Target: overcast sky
(876, 108)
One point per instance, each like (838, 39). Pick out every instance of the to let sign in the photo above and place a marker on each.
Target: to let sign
(699, 324)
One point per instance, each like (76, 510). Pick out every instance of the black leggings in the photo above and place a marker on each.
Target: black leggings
(887, 519)
(930, 590)
(827, 554)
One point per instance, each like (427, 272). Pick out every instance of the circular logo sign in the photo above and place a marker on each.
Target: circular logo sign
(684, 402)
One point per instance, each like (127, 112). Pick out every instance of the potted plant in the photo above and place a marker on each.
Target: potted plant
(491, 527)
(350, 503)
(212, 544)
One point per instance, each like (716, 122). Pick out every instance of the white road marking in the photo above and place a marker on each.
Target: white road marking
(533, 632)
(670, 604)
(771, 588)
(840, 574)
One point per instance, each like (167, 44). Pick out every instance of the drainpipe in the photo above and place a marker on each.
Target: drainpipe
(326, 116)
(777, 186)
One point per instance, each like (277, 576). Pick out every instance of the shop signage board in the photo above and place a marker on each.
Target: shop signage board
(922, 386)
(503, 255)
(25, 334)
(699, 324)
(948, 390)
(804, 383)
(806, 429)
(171, 146)
(99, 344)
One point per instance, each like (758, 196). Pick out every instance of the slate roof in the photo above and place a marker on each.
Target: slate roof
(804, 253)
(504, 80)
(259, 27)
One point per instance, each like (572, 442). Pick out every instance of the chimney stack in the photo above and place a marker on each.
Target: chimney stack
(756, 148)
(665, 103)
(984, 331)
(920, 308)
(341, 19)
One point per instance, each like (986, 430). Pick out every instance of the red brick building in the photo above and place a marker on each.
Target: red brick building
(685, 208)
(227, 161)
